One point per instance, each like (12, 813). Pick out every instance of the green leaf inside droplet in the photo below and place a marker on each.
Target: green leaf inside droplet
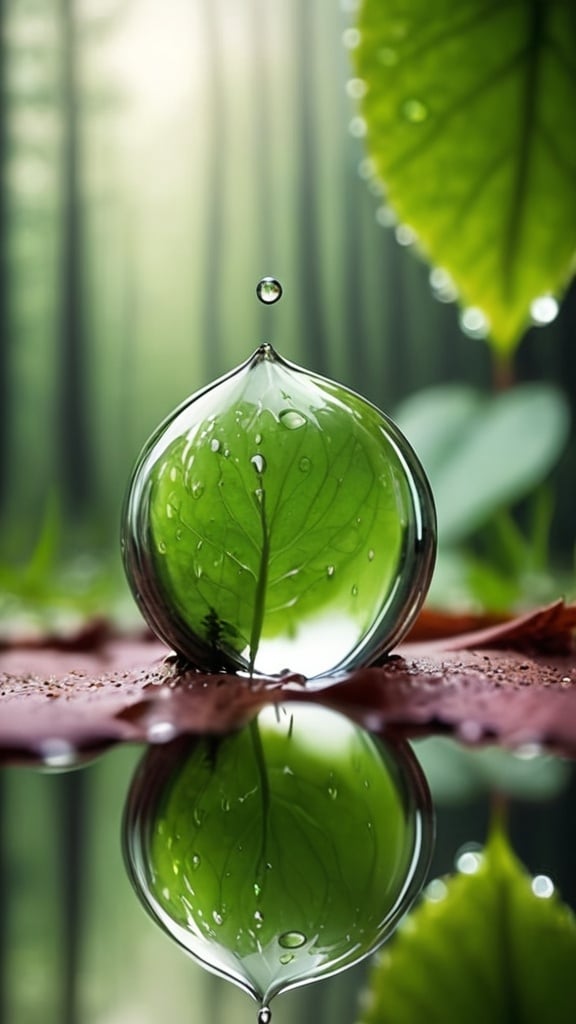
(277, 522)
(286, 850)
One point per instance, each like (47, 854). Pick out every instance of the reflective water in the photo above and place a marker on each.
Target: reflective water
(282, 853)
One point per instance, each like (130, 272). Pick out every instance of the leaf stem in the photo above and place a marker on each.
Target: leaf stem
(262, 580)
(264, 792)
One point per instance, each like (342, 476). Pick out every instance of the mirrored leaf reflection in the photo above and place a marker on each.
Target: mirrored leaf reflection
(282, 853)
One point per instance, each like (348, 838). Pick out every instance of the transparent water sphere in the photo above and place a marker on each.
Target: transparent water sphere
(278, 522)
(282, 853)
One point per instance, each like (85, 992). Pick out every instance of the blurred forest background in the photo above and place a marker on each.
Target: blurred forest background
(156, 160)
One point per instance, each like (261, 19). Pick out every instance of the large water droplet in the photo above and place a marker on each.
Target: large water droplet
(269, 290)
(267, 837)
(219, 545)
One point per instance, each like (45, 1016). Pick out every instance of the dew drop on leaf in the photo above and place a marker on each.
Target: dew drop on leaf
(474, 323)
(275, 935)
(229, 558)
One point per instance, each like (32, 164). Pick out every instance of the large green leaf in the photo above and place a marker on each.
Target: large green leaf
(490, 950)
(483, 453)
(469, 106)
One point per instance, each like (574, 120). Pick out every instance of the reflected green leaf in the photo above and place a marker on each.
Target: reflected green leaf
(468, 109)
(483, 948)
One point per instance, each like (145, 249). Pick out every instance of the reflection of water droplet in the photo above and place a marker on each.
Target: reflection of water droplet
(542, 886)
(292, 940)
(195, 861)
(286, 958)
(160, 732)
(292, 419)
(259, 463)
(414, 111)
(258, 439)
(544, 310)
(268, 290)
(257, 889)
(57, 753)
(371, 555)
(197, 489)
(217, 918)
(162, 547)
(356, 88)
(354, 591)
(332, 792)
(474, 323)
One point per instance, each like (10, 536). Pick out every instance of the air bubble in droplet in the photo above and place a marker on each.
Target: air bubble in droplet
(217, 918)
(474, 322)
(291, 940)
(259, 463)
(269, 290)
(544, 310)
(292, 419)
(197, 489)
(214, 445)
(414, 111)
(162, 547)
(305, 464)
(195, 861)
(286, 958)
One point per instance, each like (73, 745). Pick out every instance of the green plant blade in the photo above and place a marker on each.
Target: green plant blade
(468, 109)
(489, 950)
(483, 456)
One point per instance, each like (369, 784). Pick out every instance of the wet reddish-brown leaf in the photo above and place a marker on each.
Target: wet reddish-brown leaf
(512, 683)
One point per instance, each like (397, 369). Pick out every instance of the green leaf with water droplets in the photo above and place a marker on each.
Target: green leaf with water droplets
(469, 108)
(482, 947)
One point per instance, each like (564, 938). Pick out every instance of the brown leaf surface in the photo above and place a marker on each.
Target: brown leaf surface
(511, 683)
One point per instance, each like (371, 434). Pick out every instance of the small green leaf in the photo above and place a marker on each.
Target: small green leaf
(488, 457)
(489, 949)
(469, 108)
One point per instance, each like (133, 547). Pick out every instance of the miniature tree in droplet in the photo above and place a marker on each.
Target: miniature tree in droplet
(282, 853)
(278, 521)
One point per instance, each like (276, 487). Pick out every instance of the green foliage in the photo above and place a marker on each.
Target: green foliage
(483, 948)
(468, 109)
(458, 774)
(484, 455)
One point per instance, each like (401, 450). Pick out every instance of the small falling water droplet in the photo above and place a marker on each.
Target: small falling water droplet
(269, 290)
(264, 1015)
(259, 463)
